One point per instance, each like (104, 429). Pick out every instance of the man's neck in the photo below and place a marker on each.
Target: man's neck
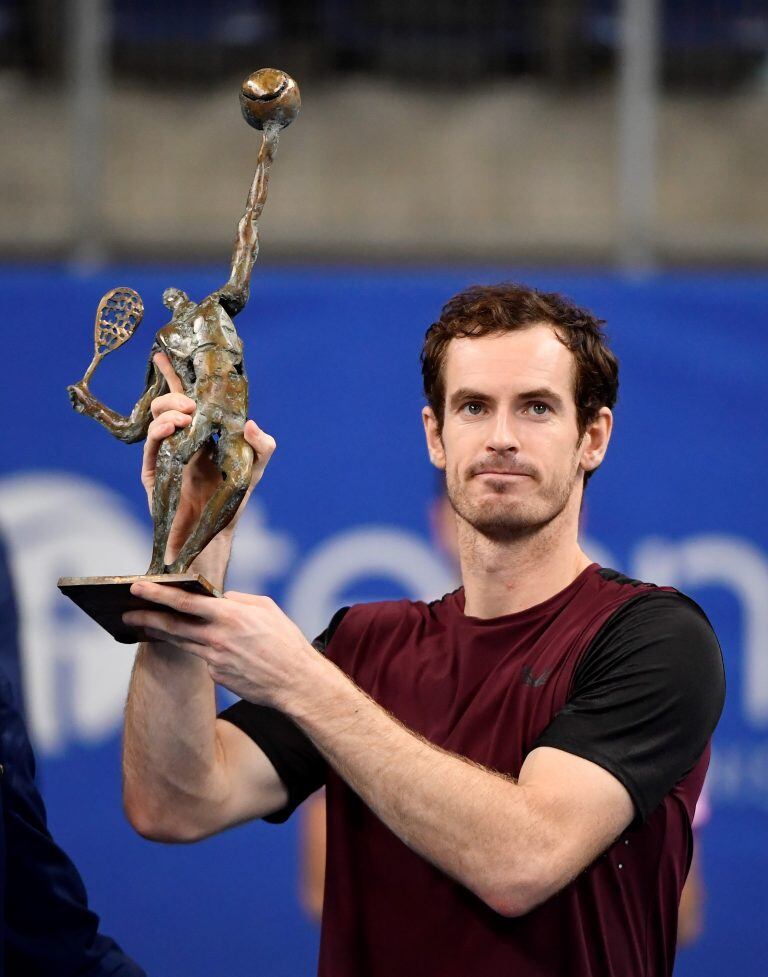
(510, 576)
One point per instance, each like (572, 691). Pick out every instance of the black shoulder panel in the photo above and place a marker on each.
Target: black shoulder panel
(613, 575)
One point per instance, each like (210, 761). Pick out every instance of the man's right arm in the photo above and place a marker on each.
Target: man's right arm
(187, 774)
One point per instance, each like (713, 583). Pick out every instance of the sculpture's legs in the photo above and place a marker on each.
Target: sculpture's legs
(174, 453)
(235, 458)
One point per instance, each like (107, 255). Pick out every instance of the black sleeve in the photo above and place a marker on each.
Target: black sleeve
(290, 751)
(646, 696)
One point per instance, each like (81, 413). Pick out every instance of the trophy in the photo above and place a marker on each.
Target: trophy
(207, 354)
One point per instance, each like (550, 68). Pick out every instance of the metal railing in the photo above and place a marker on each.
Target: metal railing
(605, 73)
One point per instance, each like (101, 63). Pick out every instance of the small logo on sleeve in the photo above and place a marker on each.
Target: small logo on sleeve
(536, 681)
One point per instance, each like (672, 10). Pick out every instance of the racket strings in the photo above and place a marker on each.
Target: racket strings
(118, 316)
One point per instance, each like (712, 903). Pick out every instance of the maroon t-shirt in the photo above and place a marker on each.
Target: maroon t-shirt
(621, 673)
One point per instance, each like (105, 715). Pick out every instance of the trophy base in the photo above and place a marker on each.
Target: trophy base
(106, 599)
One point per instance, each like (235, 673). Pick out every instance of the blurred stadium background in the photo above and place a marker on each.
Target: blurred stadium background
(577, 130)
(616, 151)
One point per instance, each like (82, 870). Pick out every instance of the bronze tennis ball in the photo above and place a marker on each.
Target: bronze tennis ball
(269, 96)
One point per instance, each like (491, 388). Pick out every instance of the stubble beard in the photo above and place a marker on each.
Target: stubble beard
(501, 517)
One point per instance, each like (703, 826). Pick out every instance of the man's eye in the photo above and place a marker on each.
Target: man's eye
(474, 407)
(539, 410)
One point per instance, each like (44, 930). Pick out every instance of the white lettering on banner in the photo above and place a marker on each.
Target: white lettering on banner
(61, 525)
(737, 566)
(56, 525)
(317, 590)
(258, 552)
(598, 553)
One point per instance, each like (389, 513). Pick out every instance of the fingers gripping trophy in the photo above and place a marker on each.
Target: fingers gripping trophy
(201, 348)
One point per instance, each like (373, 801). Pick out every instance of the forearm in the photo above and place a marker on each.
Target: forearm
(247, 239)
(169, 748)
(127, 427)
(477, 826)
(243, 258)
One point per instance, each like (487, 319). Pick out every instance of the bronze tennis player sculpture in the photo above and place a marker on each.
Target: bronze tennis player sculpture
(204, 349)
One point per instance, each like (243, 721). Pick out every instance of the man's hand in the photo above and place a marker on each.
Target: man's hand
(172, 412)
(250, 646)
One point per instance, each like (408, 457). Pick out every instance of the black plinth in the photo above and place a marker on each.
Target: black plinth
(106, 599)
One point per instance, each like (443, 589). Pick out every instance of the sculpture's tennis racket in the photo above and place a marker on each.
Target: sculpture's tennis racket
(117, 318)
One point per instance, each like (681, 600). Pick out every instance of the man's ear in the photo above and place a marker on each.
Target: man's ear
(434, 441)
(594, 444)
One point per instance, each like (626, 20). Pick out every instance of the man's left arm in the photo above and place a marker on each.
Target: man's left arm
(513, 843)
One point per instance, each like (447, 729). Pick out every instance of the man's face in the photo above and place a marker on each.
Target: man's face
(509, 444)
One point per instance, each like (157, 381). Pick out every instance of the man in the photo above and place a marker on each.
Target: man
(46, 927)
(512, 770)
(312, 837)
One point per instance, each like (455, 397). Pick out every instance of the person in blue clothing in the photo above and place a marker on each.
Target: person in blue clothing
(10, 657)
(46, 927)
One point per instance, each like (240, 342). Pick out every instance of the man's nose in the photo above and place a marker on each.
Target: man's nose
(502, 436)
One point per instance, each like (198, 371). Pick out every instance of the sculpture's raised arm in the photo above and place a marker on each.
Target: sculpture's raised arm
(270, 101)
(246, 249)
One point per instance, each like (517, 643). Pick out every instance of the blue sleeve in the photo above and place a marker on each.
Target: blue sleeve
(10, 658)
(48, 929)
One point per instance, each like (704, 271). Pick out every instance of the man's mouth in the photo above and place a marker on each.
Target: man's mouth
(506, 474)
(502, 472)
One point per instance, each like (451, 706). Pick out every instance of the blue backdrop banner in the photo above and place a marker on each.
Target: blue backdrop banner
(342, 515)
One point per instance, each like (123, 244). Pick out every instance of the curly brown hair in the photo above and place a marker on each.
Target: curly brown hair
(482, 310)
